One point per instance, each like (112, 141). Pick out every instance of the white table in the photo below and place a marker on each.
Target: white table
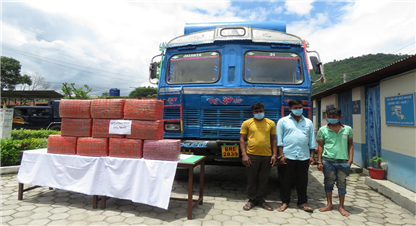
(143, 181)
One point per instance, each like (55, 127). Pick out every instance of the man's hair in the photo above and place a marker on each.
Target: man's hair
(256, 106)
(294, 102)
(333, 111)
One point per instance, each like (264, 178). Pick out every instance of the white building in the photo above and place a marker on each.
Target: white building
(380, 107)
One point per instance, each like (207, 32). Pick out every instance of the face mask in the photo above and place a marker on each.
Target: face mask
(332, 120)
(259, 116)
(297, 112)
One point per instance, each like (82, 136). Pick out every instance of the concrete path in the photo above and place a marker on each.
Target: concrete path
(223, 202)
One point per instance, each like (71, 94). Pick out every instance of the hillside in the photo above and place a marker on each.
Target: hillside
(353, 67)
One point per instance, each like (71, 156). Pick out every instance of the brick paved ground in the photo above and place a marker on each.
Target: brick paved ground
(223, 202)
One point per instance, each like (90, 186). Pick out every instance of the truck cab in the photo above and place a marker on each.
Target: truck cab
(210, 77)
(37, 117)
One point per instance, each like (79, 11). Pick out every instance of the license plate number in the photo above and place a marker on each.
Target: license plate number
(230, 151)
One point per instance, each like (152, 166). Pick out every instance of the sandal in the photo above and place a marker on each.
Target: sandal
(282, 207)
(266, 206)
(306, 208)
(248, 206)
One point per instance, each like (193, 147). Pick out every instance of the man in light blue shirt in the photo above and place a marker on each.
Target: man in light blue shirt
(296, 146)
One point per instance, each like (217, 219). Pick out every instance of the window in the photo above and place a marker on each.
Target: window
(40, 112)
(272, 67)
(201, 67)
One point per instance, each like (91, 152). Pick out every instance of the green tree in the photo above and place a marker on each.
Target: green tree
(104, 94)
(25, 80)
(10, 73)
(143, 92)
(71, 92)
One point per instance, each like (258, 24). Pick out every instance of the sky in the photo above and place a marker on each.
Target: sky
(109, 44)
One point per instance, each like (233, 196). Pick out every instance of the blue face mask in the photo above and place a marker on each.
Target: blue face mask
(297, 112)
(259, 116)
(332, 120)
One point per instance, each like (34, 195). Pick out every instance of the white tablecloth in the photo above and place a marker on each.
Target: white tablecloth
(143, 181)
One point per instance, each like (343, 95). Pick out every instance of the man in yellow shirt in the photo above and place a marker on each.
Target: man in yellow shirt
(259, 155)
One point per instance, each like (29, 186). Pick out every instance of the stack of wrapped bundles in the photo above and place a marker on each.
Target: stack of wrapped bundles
(151, 110)
(146, 130)
(76, 118)
(90, 146)
(126, 148)
(58, 144)
(167, 149)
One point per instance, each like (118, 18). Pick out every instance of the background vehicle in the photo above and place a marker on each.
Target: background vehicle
(37, 117)
(210, 77)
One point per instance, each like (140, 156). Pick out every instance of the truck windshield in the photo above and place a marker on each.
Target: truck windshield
(272, 67)
(203, 67)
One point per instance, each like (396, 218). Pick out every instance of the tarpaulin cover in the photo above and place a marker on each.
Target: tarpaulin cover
(107, 108)
(146, 130)
(141, 181)
(144, 109)
(100, 128)
(75, 108)
(89, 146)
(58, 144)
(166, 149)
(126, 148)
(76, 127)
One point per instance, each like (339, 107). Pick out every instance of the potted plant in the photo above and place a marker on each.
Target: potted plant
(377, 172)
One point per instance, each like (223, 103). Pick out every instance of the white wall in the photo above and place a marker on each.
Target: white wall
(400, 139)
(359, 119)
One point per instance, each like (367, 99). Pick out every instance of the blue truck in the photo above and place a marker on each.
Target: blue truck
(210, 76)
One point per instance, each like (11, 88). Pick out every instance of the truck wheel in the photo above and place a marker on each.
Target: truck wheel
(55, 127)
(181, 174)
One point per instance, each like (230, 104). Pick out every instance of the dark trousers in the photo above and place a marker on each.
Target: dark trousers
(295, 172)
(258, 177)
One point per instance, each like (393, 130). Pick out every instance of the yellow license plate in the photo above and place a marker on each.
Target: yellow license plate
(230, 151)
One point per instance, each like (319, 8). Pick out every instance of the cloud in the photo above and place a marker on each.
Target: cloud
(299, 7)
(364, 27)
(115, 41)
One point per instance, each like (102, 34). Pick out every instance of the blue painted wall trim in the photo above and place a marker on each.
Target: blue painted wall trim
(360, 154)
(401, 169)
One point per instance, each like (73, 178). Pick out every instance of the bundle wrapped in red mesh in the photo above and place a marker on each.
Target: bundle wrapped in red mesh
(107, 108)
(143, 109)
(126, 148)
(165, 149)
(90, 146)
(58, 144)
(75, 108)
(76, 127)
(100, 128)
(146, 130)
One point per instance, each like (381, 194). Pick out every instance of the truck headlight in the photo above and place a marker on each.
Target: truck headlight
(172, 126)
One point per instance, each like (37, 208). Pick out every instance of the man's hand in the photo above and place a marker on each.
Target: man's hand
(350, 162)
(311, 160)
(246, 160)
(283, 160)
(320, 167)
(273, 160)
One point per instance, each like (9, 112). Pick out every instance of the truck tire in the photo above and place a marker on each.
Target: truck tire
(55, 127)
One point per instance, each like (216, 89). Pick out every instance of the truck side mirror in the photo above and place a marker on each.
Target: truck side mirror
(153, 70)
(316, 65)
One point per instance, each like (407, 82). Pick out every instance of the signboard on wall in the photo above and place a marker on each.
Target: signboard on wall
(400, 110)
(356, 107)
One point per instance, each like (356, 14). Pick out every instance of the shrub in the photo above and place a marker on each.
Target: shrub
(11, 148)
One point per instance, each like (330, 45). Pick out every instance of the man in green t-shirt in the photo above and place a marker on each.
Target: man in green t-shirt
(335, 156)
(259, 155)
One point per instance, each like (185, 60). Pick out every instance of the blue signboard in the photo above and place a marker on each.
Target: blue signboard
(356, 107)
(400, 110)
